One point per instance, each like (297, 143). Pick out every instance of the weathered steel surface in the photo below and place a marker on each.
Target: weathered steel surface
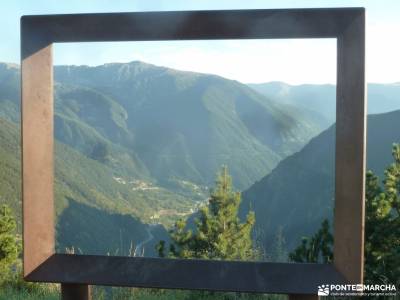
(257, 277)
(189, 25)
(37, 158)
(350, 151)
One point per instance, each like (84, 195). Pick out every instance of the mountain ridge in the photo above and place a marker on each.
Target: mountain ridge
(322, 97)
(163, 134)
(299, 193)
(137, 91)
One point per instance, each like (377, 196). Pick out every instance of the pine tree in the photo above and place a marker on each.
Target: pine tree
(218, 232)
(318, 248)
(101, 152)
(382, 229)
(10, 246)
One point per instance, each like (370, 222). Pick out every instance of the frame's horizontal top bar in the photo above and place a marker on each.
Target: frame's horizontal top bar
(259, 277)
(351, 9)
(190, 25)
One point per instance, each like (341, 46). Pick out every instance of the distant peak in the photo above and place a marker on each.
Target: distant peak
(271, 83)
(107, 64)
(138, 62)
(134, 63)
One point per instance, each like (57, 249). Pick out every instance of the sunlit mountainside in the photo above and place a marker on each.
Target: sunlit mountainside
(299, 193)
(138, 147)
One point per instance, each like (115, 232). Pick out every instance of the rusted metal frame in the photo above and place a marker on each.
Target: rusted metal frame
(258, 277)
(37, 158)
(37, 35)
(192, 25)
(351, 102)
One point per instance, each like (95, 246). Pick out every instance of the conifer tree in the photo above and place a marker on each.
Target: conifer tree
(10, 246)
(101, 152)
(318, 248)
(382, 229)
(382, 225)
(218, 232)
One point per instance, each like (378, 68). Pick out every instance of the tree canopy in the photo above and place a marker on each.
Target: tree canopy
(218, 232)
(10, 245)
(382, 229)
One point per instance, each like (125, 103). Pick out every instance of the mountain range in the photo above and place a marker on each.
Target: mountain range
(138, 144)
(145, 142)
(299, 193)
(86, 199)
(322, 98)
(183, 124)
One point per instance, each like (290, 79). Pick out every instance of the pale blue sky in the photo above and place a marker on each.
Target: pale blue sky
(313, 61)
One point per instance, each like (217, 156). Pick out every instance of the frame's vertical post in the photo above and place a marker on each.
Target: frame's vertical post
(350, 151)
(75, 292)
(37, 151)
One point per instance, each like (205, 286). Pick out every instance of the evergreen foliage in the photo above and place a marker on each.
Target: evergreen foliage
(317, 249)
(101, 152)
(382, 229)
(219, 233)
(10, 246)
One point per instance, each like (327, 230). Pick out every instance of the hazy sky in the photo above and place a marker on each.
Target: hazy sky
(292, 61)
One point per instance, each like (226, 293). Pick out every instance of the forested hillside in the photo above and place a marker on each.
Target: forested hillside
(183, 125)
(86, 199)
(299, 193)
(138, 143)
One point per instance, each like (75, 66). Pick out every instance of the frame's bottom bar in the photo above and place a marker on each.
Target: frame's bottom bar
(258, 277)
